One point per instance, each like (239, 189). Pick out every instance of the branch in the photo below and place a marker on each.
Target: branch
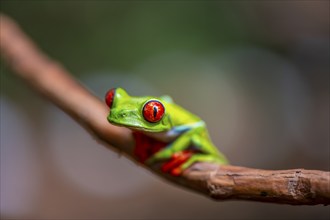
(50, 79)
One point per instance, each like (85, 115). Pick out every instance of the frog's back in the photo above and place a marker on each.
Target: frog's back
(180, 116)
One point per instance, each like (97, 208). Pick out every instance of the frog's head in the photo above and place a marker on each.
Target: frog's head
(139, 113)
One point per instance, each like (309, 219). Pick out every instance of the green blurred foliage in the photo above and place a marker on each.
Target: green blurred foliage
(89, 35)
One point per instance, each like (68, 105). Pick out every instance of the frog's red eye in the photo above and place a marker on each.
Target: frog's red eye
(109, 97)
(153, 111)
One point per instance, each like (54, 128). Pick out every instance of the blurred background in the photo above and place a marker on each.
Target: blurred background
(256, 72)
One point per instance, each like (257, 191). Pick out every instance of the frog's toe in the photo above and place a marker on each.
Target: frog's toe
(176, 160)
(197, 158)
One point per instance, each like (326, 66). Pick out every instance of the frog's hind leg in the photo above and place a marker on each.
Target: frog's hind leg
(207, 153)
(206, 147)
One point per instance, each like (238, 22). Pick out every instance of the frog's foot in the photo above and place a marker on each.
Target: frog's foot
(196, 158)
(176, 161)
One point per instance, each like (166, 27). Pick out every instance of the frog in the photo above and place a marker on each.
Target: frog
(177, 138)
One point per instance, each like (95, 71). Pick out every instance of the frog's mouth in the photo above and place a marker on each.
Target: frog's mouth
(133, 125)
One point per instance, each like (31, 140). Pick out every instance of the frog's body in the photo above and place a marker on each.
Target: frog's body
(160, 118)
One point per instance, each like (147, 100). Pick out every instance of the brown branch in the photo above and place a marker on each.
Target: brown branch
(296, 187)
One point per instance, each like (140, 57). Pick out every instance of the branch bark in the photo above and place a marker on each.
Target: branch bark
(50, 79)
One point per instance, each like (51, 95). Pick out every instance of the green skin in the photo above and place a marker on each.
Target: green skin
(178, 127)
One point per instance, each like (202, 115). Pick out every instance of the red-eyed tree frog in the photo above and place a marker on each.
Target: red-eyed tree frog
(164, 132)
